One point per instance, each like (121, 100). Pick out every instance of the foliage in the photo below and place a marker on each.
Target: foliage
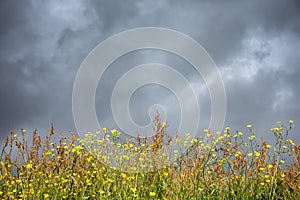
(225, 165)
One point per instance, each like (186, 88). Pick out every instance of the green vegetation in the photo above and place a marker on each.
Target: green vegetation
(227, 165)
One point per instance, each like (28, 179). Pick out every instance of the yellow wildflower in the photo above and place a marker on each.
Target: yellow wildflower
(152, 194)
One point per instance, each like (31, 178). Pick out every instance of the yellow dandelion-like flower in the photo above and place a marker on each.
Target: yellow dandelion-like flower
(251, 137)
(152, 194)
(133, 190)
(270, 166)
(249, 126)
(23, 131)
(292, 142)
(261, 168)
(29, 166)
(267, 176)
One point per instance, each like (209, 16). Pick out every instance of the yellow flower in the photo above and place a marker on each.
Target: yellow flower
(291, 121)
(29, 166)
(123, 175)
(257, 154)
(164, 124)
(267, 176)
(46, 195)
(282, 161)
(261, 168)
(270, 166)
(152, 194)
(251, 137)
(250, 154)
(133, 190)
(23, 130)
(113, 132)
(249, 126)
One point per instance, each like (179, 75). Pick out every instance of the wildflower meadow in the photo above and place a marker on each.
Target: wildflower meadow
(222, 165)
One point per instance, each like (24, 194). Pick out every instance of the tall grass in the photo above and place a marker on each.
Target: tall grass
(227, 165)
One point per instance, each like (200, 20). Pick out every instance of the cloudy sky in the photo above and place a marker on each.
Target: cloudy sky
(255, 45)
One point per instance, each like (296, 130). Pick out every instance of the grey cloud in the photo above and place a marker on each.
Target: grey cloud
(42, 45)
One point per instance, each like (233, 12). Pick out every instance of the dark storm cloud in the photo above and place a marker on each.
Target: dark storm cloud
(42, 44)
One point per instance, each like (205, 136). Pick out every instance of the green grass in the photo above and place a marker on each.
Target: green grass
(227, 165)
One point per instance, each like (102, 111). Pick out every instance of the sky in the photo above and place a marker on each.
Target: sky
(255, 45)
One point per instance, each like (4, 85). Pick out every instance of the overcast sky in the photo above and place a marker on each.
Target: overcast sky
(255, 44)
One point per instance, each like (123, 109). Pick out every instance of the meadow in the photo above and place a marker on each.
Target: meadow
(226, 165)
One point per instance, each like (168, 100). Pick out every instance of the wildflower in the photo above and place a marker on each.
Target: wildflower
(152, 194)
(261, 168)
(257, 154)
(237, 154)
(29, 166)
(249, 126)
(205, 130)
(133, 190)
(268, 181)
(251, 137)
(282, 161)
(164, 124)
(113, 132)
(269, 146)
(46, 195)
(292, 142)
(123, 175)
(23, 131)
(102, 192)
(267, 176)
(291, 121)
(270, 166)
